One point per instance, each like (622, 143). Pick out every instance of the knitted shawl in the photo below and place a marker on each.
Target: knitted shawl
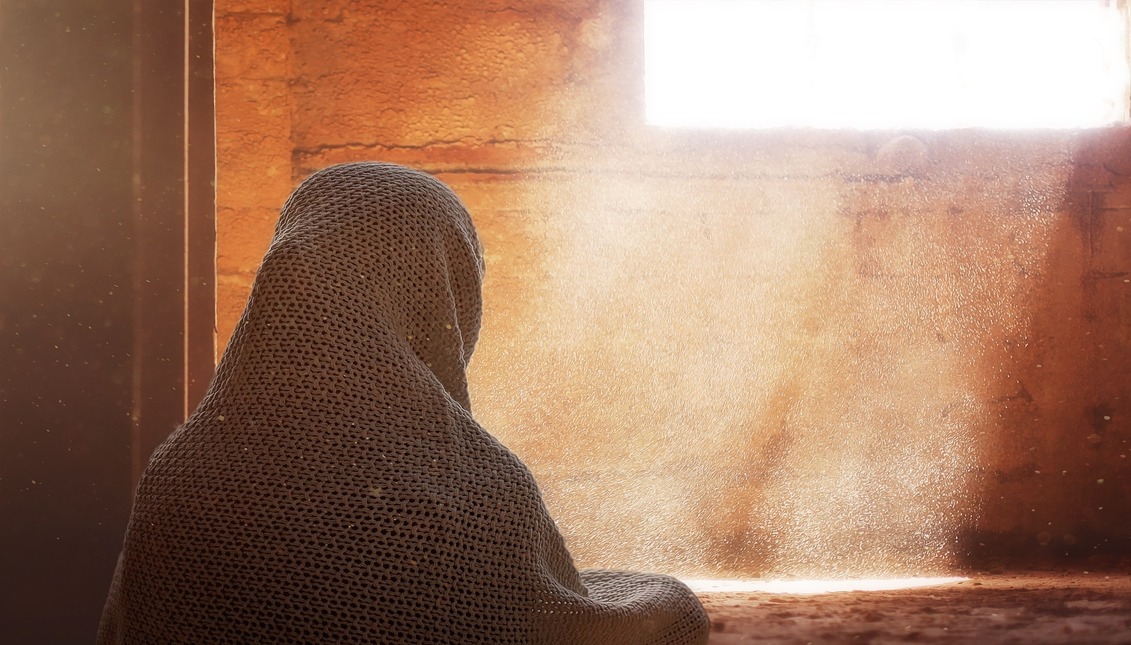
(332, 485)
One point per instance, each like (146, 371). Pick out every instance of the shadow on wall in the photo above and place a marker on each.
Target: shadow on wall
(818, 358)
(1056, 484)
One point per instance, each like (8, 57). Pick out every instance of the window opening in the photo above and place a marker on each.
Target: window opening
(872, 64)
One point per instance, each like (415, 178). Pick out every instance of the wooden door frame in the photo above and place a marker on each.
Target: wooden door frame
(174, 217)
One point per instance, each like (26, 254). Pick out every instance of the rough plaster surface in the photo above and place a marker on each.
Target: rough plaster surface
(785, 345)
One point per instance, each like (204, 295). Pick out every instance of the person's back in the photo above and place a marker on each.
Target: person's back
(332, 486)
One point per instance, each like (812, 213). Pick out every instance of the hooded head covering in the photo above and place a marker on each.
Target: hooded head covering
(332, 486)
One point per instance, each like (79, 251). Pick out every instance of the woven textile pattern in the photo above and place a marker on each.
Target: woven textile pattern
(333, 487)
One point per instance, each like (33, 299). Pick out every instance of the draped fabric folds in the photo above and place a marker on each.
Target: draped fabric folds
(333, 486)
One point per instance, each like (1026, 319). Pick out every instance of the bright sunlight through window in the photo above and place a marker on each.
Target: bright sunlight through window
(806, 587)
(885, 63)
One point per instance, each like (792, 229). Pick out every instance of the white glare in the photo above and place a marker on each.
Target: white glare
(814, 586)
(885, 63)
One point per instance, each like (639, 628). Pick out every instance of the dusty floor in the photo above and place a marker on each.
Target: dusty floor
(1040, 607)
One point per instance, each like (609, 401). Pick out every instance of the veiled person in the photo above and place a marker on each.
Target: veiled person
(332, 486)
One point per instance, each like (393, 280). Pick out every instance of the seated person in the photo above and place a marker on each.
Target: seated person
(333, 487)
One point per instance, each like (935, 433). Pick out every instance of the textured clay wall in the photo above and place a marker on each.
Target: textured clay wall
(726, 352)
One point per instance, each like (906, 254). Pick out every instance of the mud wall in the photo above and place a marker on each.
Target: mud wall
(786, 352)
